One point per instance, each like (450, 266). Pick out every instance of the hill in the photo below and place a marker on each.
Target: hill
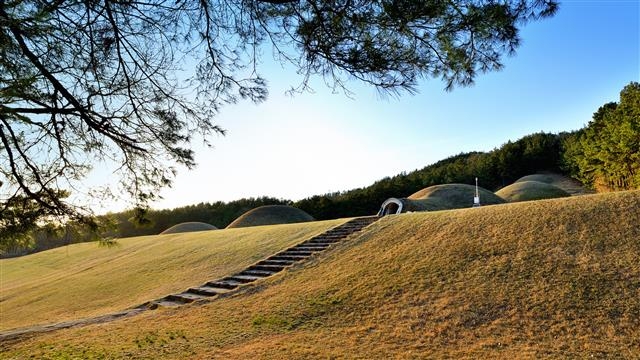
(270, 215)
(528, 190)
(572, 186)
(191, 226)
(84, 280)
(453, 196)
(545, 279)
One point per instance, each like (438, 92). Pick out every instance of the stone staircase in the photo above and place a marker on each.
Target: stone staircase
(265, 268)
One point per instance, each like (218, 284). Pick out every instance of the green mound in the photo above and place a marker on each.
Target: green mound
(544, 178)
(571, 186)
(189, 227)
(271, 215)
(449, 196)
(530, 190)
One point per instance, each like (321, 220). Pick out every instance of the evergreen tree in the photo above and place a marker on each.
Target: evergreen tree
(606, 153)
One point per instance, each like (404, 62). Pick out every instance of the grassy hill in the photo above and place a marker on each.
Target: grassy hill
(85, 280)
(270, 215)
(545, 279)
(572, 186)
(452, 196)
(190, 226)
(530, 190)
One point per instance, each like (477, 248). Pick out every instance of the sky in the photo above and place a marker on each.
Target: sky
(314, 143)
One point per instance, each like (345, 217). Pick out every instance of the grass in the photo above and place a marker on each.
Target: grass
(450, 196)
(270, 215)
(530, 190)
(84, 280)
(546, 279)
(188, 227)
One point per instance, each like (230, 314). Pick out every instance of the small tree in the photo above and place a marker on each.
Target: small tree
(87, 81)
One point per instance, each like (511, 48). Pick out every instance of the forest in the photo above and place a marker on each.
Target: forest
(604, 155)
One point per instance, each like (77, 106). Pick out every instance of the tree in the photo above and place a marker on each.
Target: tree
(606, 153)
(83, 82)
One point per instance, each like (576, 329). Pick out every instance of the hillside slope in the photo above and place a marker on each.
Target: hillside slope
(556, 278)
(83, 280)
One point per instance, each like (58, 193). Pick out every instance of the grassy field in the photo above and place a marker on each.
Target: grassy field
(84, 280)
(544, 279)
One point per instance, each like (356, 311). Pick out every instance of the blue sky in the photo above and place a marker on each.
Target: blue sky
(314, 143)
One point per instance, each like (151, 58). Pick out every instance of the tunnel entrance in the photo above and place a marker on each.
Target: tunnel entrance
(390, 206)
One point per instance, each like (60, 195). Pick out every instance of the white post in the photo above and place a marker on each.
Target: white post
(476, 199)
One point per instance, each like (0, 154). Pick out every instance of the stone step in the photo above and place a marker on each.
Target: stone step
(356, 225)
(335, 234)
(307, 248)
(185, 297)
(304, 254)
(323, 240)
(362, 225)
(244, 278)
(222, 284)
(258, 273)
(280, 256)
(350, 230)
(166, 303)
(319, 245)
(296, 253)
(270, 262)
(207, 291)
(365, 219)
(267, 267)
(315, 245)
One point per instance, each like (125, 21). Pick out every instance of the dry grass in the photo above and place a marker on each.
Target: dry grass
(546, 279)
(530, 190)
(188, 227)
(270, 215)
(85, 280)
